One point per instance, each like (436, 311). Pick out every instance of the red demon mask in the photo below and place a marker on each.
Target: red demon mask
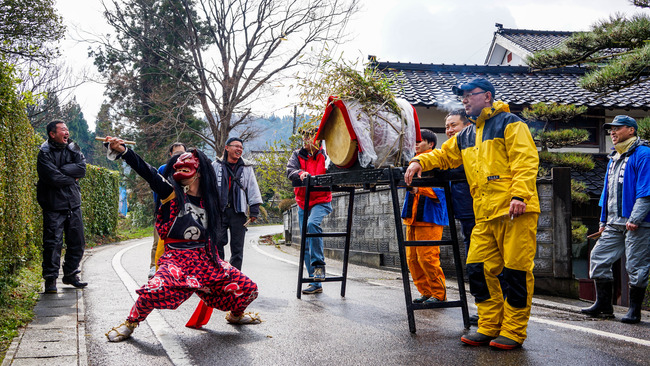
(186, 166)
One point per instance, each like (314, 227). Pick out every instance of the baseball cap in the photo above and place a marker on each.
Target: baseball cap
(234, 139)
(622, 120)
(473, 84)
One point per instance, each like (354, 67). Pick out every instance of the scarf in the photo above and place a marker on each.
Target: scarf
(623, 147)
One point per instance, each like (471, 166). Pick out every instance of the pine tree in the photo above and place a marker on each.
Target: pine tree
(549, 139)
(617, 50)
(78, 127)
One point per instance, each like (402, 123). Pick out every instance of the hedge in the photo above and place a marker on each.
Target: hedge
(99, 201)
(20, 223)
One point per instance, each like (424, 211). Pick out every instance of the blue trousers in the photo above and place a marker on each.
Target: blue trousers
(314, 255)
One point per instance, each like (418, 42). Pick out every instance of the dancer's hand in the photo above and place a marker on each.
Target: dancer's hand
(116, 144)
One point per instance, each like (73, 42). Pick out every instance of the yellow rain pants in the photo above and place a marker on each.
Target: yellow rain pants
(508, 246)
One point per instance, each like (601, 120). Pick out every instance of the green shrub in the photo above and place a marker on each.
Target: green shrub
(578, 232)
(141, 215)
(579, 192)
(18, 296)
(552, 112)
(19, 212)
(644, 128)
(99, 201)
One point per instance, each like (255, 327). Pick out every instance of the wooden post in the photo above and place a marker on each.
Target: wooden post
(561, 210)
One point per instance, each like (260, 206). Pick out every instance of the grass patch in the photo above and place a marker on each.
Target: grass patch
(18, 296)
(125, 231)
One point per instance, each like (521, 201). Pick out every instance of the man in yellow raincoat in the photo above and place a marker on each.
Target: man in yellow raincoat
(501, 163)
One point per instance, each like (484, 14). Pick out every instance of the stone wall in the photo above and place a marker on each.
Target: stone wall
(374, 240)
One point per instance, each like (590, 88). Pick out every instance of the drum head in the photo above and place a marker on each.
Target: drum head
(341, 149)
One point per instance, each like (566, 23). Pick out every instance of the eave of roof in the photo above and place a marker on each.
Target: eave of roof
(430, 85)
(525, 42)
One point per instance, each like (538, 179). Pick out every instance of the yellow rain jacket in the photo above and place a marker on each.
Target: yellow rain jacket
(496, 153)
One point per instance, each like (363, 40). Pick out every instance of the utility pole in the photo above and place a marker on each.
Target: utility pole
(295, 111)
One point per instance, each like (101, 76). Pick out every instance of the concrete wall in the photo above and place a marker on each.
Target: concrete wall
(374, 239)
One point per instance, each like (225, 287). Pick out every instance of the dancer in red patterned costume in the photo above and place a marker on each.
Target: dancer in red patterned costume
(187, 221)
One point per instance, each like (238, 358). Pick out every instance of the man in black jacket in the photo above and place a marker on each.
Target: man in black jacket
(60, 165)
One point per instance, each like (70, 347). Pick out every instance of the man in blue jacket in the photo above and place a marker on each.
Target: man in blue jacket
(455, 122)
(624, 221)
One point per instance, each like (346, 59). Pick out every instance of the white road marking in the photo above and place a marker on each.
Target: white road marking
(532, 318)
(601, 333)
(165, 334)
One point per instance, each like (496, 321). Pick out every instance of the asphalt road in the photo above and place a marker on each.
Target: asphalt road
(366, 327)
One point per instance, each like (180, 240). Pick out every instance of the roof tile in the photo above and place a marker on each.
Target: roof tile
(430, 85)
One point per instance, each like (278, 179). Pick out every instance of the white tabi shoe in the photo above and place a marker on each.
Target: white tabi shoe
(121, 332)
(246, 318)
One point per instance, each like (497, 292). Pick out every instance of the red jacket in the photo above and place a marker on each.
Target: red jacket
(301, 161)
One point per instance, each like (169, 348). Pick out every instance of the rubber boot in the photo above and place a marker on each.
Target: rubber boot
(603, 306)
(636, 301)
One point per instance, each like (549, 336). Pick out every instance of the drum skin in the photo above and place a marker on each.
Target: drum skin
(341, 149)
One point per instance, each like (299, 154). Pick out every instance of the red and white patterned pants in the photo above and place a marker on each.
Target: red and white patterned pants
(184, 272)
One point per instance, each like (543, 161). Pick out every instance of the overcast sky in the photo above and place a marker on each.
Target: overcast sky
(419, 31)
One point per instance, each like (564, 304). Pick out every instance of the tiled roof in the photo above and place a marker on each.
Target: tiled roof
(430, 85)
(594, 179)
(534, 40)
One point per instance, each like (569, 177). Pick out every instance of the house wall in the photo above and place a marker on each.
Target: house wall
(499, 53)
(374, 239)
(431, 116)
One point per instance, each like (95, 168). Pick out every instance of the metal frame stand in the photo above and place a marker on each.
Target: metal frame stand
(345, 182)
(453, 242)
(309, 187)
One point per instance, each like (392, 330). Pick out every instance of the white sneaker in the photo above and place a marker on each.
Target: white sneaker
(121, 332)
(152, 272)
(246, 318)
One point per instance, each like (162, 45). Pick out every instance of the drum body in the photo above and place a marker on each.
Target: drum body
(374, 139)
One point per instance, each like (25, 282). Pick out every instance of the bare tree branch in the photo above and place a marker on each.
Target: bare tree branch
(229, 49)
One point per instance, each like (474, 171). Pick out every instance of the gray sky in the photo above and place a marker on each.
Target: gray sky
(418, 31)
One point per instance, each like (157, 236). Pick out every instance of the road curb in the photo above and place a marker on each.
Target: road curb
(13, 347)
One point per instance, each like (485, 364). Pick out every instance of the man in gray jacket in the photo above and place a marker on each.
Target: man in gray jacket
(60, 165)
(239, 197)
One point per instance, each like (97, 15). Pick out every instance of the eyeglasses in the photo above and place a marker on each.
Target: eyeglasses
(463, 97)
(241, 147)
(615, 128)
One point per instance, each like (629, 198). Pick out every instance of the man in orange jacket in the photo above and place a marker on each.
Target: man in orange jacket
(424, 214)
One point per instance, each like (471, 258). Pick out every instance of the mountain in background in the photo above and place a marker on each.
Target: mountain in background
(273, 128)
